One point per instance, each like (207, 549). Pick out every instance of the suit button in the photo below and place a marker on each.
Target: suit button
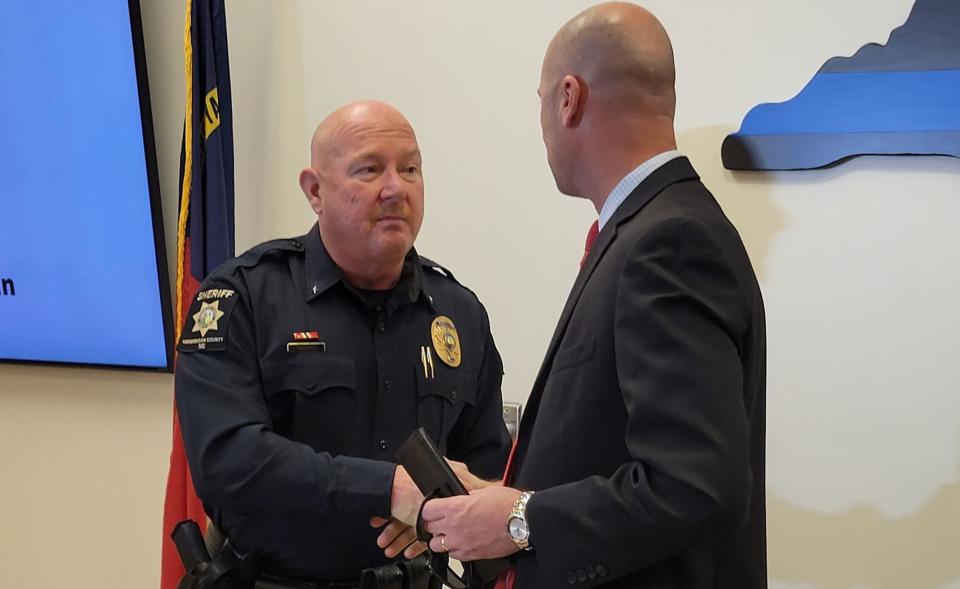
(581, 576)
(571, 578)
(388, 384)
(381, 327)
(601, 570)
(453, 395)
(383, 444)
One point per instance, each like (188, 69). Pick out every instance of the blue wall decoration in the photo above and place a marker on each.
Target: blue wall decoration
(902, 98)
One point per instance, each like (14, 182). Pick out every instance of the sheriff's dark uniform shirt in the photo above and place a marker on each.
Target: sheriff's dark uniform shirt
(294, 391)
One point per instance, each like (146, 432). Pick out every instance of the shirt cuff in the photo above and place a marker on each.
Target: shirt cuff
(364, 485)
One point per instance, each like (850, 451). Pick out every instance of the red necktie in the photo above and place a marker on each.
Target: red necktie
(507, 579)
(591, 237)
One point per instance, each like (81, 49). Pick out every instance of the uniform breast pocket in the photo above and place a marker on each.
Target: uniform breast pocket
(312, 399)
(442, 399)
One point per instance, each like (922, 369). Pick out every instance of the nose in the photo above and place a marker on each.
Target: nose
(393, 185)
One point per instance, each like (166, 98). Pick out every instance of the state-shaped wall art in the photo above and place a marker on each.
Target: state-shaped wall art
(902, 98)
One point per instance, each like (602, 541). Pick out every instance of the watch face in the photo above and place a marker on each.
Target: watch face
(518, 529)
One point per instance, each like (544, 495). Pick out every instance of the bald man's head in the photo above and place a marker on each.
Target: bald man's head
(607, 99)
(623, 54)
(361, 116)
(366, 187)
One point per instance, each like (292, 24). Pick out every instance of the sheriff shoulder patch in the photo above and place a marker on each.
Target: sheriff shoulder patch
(205, 328)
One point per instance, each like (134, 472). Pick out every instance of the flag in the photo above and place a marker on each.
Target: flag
(205, 229)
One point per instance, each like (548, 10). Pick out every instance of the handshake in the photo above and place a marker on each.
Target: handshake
(468, 519)
(399, 534)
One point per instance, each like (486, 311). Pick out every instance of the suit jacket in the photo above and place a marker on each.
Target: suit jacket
(644, 432)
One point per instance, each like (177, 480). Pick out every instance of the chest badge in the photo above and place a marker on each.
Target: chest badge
(446, 341)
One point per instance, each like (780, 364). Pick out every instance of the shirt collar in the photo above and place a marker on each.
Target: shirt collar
(630, 182)
(323, 273)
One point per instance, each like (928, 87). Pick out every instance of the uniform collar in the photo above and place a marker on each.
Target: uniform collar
(323, 273)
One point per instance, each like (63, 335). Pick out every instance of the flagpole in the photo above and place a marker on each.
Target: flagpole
(187, 161)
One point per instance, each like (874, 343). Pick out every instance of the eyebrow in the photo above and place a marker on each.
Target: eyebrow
(413, 153)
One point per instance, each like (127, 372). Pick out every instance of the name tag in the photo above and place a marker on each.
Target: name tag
(306, 346)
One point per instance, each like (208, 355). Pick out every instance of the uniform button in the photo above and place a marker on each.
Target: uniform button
(388, 384)
(581, 576)
(311, 386)
(571, 578)
(601, 570)
(453, 394)
(383, 444)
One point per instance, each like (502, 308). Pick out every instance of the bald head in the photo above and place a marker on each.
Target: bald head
(607, 98)
(623, 54)
(364, 117)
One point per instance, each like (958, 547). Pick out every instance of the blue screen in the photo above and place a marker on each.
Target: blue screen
(79, 279)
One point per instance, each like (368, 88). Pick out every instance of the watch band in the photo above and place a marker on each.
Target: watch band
(519, 512)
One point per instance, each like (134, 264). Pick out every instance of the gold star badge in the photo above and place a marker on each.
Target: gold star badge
(206, 318)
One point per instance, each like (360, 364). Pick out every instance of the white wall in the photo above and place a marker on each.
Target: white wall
(859, 267)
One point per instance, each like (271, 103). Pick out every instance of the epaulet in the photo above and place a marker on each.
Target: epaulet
(437, 268)
(275, 245)
(254, 255)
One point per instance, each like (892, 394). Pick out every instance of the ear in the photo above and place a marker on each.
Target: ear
(310, 185)
(573, 100)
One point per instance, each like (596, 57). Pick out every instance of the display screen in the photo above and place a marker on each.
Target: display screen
(82, 270)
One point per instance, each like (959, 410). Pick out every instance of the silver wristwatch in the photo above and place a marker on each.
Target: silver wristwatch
(517, 526)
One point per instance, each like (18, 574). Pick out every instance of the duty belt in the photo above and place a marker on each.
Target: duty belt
(229, 570)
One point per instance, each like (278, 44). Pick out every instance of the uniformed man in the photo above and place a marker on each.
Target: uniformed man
(306, 362)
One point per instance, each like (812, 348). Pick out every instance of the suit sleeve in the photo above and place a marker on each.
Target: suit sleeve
(680, 313)
(480, 438)
(237, 461)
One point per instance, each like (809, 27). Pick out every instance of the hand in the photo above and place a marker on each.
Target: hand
(470, 480)
(405, 498)
(397, 537)
(474, 526)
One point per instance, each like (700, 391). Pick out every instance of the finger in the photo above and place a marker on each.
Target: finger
(463, 473)
(435, 544)
(487, 489)
(390, 533)
(377, 521)
(433, 528)
(434, 509)
(414, 550)
(404, 539)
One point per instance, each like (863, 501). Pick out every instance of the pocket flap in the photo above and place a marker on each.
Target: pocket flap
(310, 374)
(443, 385)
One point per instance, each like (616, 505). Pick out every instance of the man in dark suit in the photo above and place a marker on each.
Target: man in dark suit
(640, 459)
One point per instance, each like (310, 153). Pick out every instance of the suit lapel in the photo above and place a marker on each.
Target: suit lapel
(672, 172)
